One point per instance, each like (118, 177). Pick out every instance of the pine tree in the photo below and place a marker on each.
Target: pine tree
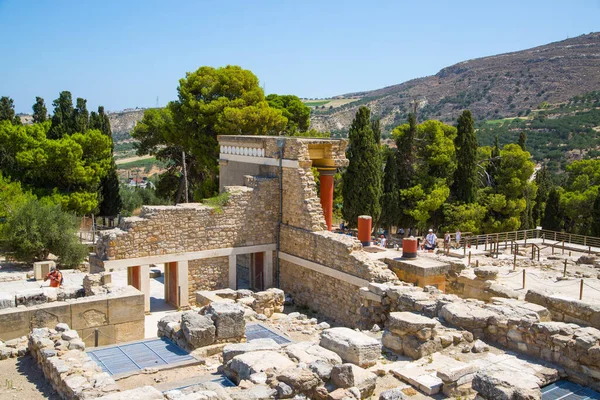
(406, 154)
(523, 140)
(81, 116)
(62, 119)
(390, 200)
(40, 112)
(595, 228)
(465, 176)
(7, 109)
(362, 179)
(552, 219)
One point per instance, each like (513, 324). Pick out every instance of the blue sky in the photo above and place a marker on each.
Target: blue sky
(126, 53)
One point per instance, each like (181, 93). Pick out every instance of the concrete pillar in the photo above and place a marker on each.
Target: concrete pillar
(326, 188)
(139, 278)
(183, 277)
(145, 285)
(232, 272)
(268, 270)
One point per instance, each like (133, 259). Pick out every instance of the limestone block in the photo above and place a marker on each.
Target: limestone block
(301, 379)
(392, 394)
(88, 313)
(228, 319)
(392, 342)
(502, 385)
(351, 346)
(244, 365)
(105, 335)
(7, 300)
(30, 297)
(322, 369)
(226, 293)
(486, 273)
(14, 323)
(198, 330)
(307, 352)
(466, 315)
(407, 323)
(129, 331)
(351, 375)
(41, 269)
(126, 308)
(144, 392)
(49, 315)
(235, 349)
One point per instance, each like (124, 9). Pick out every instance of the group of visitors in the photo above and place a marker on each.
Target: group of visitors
(429, 243)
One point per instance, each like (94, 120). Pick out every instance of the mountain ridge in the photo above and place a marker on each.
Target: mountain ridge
(500, 85)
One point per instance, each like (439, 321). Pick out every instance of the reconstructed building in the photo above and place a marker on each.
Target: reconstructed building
(272, 222)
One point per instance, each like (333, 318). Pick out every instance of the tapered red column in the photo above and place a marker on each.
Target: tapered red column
(326, 186)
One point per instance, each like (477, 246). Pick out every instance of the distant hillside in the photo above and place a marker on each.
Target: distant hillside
(505, 85)
(122, 123)
(556, 134)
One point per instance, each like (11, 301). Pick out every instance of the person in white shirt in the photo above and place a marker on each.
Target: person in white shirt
(458, 236)
(430, 240)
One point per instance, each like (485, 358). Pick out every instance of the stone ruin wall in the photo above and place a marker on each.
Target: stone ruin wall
(517, 325)
(249, 218)
(207, 274)
(333, 297)
(119, 316)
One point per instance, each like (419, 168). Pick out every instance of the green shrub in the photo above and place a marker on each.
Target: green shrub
(39, 228)
(217, 202)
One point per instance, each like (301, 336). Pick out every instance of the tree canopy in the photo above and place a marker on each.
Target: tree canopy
(211, 101)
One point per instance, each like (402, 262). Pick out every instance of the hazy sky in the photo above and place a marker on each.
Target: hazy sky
(126, 53)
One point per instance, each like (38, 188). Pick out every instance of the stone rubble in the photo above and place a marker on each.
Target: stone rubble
(60, 353)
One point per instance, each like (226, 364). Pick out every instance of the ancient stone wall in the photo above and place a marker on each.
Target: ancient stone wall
(337, 297)
(119, 316)
(517, 325)
(566, 309)
(61, 355)
(207, 274)
(249, 218)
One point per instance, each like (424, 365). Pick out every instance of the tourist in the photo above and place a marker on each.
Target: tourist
(55, 276)
(383, 241)
(458, 236)
(447, 240)
(430, 241)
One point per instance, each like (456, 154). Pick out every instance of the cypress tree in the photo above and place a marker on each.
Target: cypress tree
(111, 202)
(544, 184)
(390, 200)
(552, 219)
(81, 116)
(376, 126)
(7, 109)
(522, 141)
(361, 189)
(40, 112)
(62, 119)
(406, 154)
(595, 228)
(465, 176)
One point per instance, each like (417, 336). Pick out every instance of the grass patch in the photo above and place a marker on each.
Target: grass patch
(217, 202)
(146, 163)
(316, 103)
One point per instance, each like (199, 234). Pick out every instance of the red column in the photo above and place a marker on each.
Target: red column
(326, 186)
